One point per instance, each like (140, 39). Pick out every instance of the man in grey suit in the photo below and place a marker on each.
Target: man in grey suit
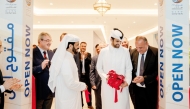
(83, 60)
(95, 79)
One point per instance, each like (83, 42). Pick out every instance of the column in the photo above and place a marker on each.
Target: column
(16, 60)
(173, 33)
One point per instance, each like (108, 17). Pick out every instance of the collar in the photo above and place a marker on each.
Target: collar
(41, 50)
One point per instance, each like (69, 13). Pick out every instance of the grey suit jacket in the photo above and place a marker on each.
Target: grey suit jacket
(77, 60)
(95, 79)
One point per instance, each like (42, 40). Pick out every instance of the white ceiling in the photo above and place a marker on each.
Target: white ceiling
(87, 4)
(131, 23)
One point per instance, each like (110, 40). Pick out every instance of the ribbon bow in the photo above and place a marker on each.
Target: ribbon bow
(115, 80)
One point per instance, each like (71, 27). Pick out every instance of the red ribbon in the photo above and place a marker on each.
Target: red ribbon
(87, 96)
(116, 96)
(115, 80)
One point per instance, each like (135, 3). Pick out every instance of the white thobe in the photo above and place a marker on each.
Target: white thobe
(68, 88)
(111, 58)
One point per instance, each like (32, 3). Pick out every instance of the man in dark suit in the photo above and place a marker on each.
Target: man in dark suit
(61, 37)
(83, 61)
(144, 87)
(7, 85)
(95, 79)
(41, 63)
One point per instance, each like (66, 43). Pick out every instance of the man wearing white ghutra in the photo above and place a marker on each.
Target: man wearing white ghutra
(64, 75)
(117, 58)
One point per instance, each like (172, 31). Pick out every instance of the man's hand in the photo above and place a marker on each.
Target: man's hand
(16, 86)
(44, 63)
(10, 82)
(124, 84)
(138, 79)
(93, 87)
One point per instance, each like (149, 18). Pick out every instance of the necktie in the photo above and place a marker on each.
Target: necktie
(45, 57)
(142, 68)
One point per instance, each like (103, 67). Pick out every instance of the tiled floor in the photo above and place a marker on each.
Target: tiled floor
(93, 103)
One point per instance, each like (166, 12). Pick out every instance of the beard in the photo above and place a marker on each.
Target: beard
(74, 50)
(116, 45)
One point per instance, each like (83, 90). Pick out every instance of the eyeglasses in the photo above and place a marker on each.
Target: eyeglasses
(47, 40)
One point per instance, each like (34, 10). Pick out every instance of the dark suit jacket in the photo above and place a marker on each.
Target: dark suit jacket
(54, 50)
(86, 64)
(95, 78)
(150, 71)
(2, 94)
(77, 61)
(41, 76)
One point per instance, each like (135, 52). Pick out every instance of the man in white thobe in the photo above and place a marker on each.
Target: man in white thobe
(64, 75)
(117, 58)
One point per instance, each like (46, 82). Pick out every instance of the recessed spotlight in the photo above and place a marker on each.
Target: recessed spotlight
(72, 22)
(128, 27)
(155, 4)
(50, 3)
(134, 22)
(38, 21)
(104, 21)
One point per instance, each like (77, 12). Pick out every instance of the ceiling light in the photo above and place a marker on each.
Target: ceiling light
(134, 22)
(105, 22)
(155, 4)
(38, 21)
(72, 22)
(51, 3)
(102, 6)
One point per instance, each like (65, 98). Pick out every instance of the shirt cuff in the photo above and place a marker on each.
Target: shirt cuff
(2, 88)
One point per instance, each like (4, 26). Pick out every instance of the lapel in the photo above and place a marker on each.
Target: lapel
(136, 58)
(96, 59)
(49, 55)
(39, 53)
(148, 56)
(79, 56)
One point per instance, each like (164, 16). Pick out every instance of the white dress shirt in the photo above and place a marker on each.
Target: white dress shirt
(138, 67)
(2, 88)
(83, 67)
(41, 50)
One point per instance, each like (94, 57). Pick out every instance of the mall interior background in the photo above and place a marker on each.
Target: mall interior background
(133, 17)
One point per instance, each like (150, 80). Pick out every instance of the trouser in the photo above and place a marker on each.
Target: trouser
(144, 100)
(45, 104)
(87, 82)
(98, 99)
(132, 94)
